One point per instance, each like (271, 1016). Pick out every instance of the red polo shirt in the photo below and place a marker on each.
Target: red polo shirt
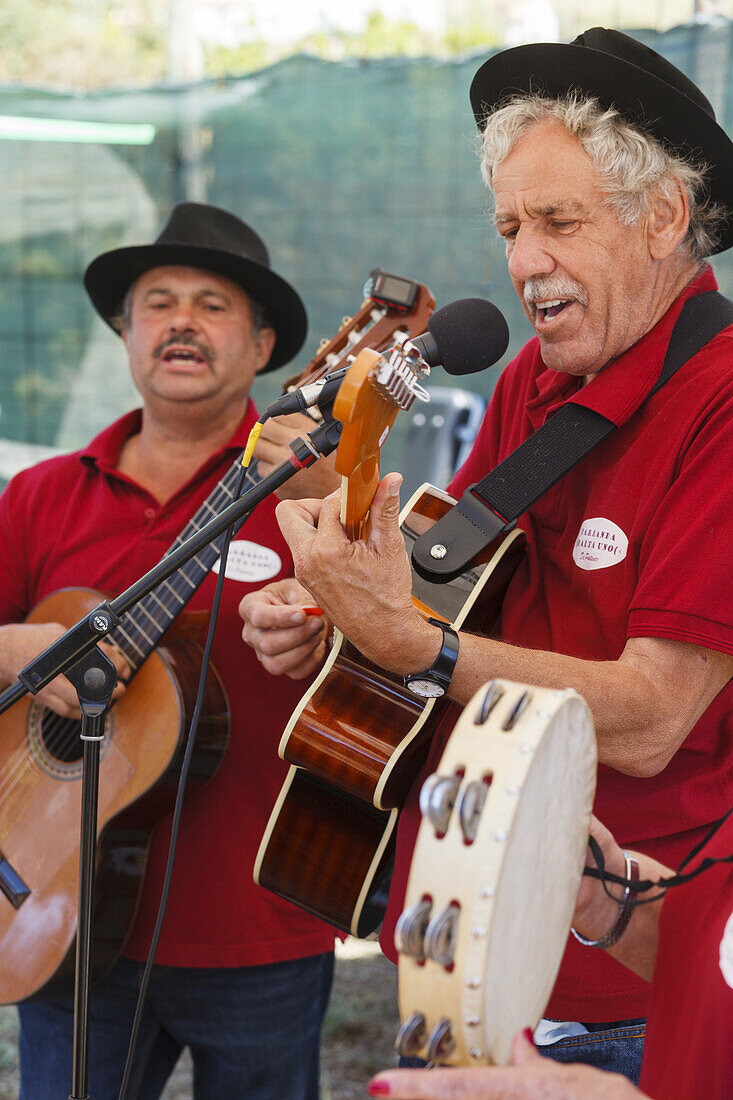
(633, 542)
(688, 1052)
(75, 520)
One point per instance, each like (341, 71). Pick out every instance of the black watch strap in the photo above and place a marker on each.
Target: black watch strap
(441, 670)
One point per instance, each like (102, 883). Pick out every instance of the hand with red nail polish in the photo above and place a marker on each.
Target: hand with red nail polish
(529, 1077)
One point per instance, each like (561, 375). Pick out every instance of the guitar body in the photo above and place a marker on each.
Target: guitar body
(40, 753)
(329, 853)
(40, 798)
(357, 740)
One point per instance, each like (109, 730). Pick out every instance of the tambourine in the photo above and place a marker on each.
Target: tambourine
(495, 872)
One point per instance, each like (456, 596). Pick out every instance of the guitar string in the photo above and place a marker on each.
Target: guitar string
(60, 733)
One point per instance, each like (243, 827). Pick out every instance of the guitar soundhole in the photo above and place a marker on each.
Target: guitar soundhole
(56, 743)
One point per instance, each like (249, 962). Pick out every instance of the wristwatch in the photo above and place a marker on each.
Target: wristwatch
(434, 681)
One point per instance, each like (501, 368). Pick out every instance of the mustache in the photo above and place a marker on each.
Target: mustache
(542, 288)
(185, 340)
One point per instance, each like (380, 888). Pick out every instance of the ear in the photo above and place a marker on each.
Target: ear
(265, 343)
(668, 220)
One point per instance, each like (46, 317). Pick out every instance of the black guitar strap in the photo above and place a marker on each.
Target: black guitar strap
(493, 506)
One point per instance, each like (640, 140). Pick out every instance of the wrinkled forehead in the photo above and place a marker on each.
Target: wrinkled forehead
(546, 172)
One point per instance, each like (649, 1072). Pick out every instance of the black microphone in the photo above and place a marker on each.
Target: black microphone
(464, 337)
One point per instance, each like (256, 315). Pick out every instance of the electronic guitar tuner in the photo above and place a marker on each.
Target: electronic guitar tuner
(392, 291)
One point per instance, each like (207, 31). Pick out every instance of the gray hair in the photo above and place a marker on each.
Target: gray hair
(630, 163)
(121, 320)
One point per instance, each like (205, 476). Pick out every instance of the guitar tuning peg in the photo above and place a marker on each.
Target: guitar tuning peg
(441, 935)
(323, 343)
(437, 799)
(346, 320)
(411, 1036)
(470, 806)
(441, 1041)
(410, 929)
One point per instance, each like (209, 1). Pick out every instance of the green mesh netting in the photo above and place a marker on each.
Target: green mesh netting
(341, 168)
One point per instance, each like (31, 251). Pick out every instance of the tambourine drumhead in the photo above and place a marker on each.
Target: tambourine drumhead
(495, 873)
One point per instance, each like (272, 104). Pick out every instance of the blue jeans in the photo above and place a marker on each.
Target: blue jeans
(616, 1048)
(253, 1032)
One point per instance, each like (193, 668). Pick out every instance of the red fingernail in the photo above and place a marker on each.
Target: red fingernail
(313, 610)
(379, 1088)
(528, 1035)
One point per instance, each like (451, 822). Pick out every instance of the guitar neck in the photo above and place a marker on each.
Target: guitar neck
(371, 395)
(144, 625)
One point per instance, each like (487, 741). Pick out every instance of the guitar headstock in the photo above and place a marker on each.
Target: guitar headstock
(372, 393)
(378, 324)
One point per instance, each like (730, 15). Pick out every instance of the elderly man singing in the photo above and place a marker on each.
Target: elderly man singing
(611, 184)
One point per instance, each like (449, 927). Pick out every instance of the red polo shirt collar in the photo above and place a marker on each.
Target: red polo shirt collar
(621, 387)
(104, 450)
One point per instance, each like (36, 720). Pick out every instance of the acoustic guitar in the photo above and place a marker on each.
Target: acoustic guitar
(40, 752)
(359, 737)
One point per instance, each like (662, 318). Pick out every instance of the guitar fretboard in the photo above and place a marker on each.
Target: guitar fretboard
(143, 625)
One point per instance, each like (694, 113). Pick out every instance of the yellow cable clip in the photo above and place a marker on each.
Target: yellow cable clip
(254, 435)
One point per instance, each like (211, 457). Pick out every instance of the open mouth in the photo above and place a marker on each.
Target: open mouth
(552, 307)
(183, 356)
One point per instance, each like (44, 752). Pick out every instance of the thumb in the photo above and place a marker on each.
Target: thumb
(384, 515)
(524, 1051)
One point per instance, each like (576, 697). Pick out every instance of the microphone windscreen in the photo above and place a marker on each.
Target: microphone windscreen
(471, 335)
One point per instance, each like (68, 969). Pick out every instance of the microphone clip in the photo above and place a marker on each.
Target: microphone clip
(322, 393)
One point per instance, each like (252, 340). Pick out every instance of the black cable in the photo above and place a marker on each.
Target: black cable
(175, 824)
(663, 884)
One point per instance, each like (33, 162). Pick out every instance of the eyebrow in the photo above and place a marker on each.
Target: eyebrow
(548, 210)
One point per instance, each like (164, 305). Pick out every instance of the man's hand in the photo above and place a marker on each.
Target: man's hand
(21, 642)
(273, 447)
(365, 587)
(530, 1077)
(285, 638)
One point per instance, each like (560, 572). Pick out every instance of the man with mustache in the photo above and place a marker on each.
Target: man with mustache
(612, 184)
(241, 977)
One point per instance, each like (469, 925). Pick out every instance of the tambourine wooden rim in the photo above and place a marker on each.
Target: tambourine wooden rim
(495, 873)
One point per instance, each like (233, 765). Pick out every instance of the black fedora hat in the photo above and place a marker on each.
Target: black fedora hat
(197, 235)
(620, 72)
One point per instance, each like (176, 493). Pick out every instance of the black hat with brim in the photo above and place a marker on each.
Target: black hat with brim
(619, 72)
(198, 235)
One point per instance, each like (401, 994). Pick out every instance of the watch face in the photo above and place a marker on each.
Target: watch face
(426, 689)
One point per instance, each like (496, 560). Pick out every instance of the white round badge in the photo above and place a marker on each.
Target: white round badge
(600, 544)
(726, 952)
(250, 562)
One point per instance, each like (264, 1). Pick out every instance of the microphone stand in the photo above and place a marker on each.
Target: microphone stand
(93, 675)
